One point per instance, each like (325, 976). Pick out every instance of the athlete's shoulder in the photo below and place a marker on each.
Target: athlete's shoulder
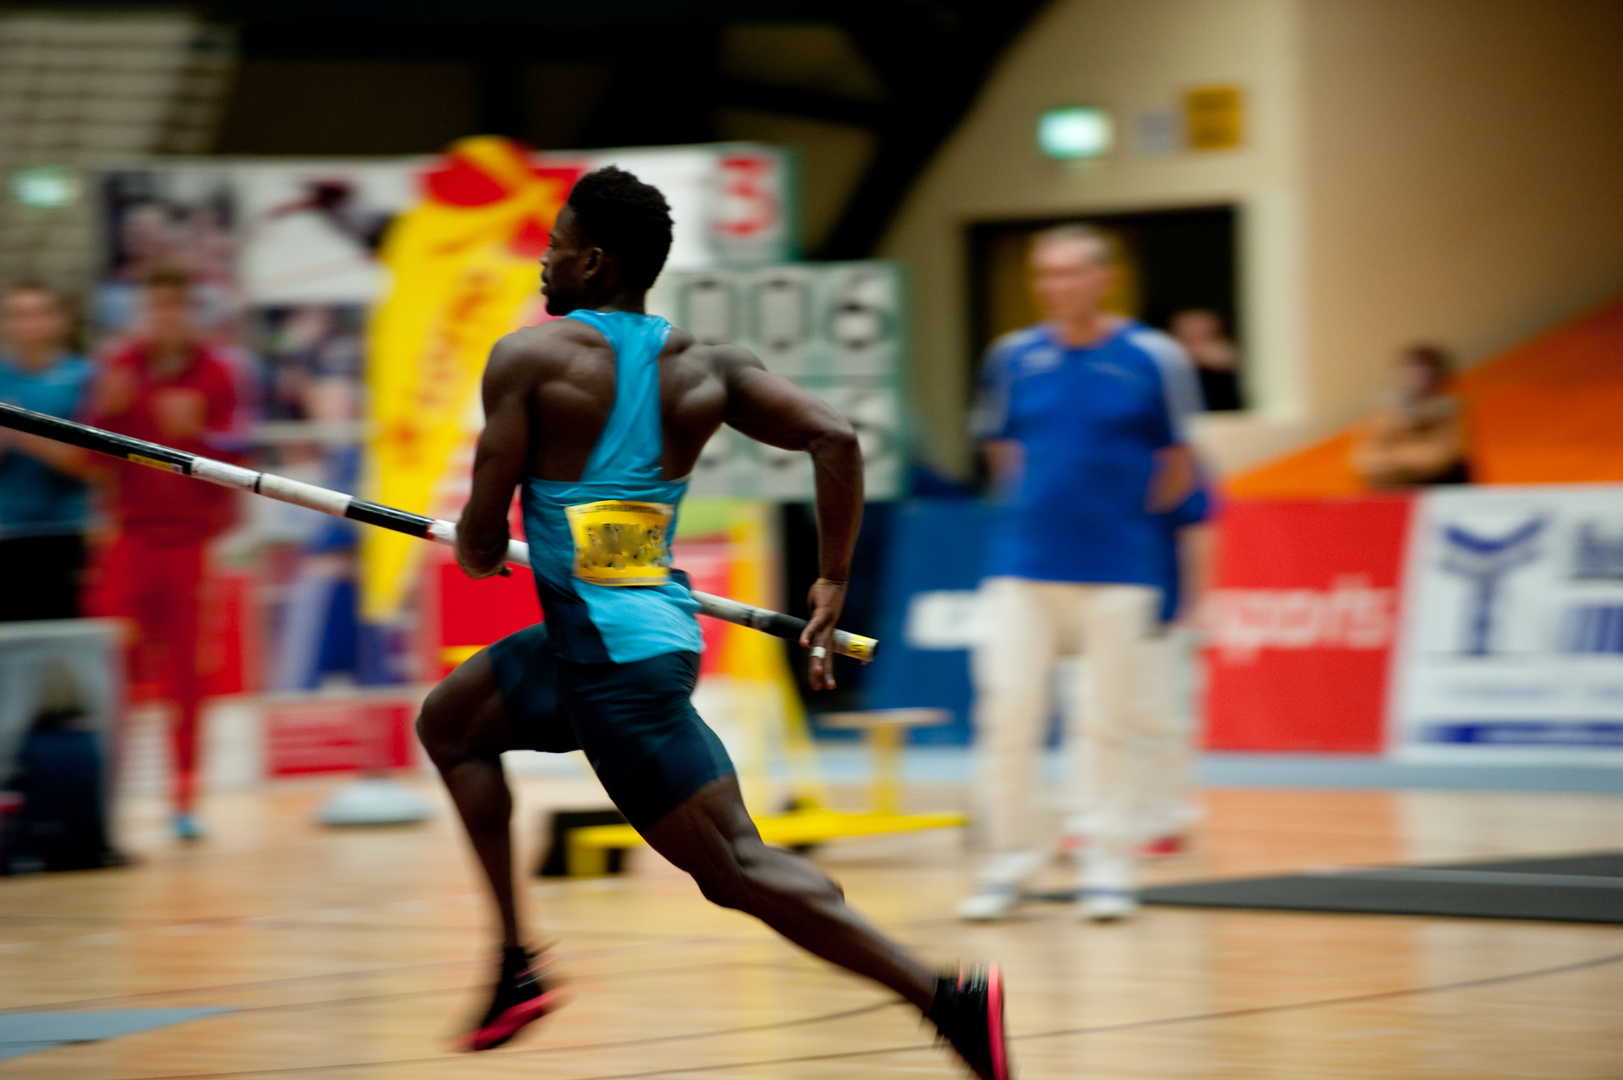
(719, 358)
(1016, 341)
(549, 335)
(1180, 387)
(537, 348)
(1028, 351)
(1160, 348)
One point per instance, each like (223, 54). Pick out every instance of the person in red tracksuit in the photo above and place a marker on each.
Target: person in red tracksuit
(169, 388)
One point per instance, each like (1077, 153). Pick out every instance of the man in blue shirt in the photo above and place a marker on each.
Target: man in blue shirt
(1083, 418)
(43, 505)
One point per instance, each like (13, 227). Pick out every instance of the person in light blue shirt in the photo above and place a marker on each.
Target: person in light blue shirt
(44, 508)
(1084, 421)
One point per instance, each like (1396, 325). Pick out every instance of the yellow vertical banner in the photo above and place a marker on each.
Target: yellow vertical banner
(461, 265)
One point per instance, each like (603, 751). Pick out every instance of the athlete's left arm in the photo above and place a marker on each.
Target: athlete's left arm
(1174, 478)
(1177, 472)
(1197, 558)
(498, 462)
(771, 409)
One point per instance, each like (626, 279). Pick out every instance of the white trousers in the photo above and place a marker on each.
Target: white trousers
(1170, 688)
(1175, 678)
(1026, 627)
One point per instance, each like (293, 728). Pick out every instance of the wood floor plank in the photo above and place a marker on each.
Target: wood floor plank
(358, 955)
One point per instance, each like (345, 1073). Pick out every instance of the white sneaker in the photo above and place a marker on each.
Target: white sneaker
(1107, 905)
(998, 890)
(989, 903)
(1108, 886)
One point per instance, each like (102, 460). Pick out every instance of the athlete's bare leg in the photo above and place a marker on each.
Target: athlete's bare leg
(464, 728)
(712, 837)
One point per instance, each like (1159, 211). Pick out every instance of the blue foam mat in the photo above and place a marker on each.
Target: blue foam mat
(30, 1032)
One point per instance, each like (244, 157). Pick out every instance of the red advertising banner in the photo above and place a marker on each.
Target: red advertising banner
(464, 614)
(473, 613)
(1302, 621)
(338, 735)
(709, 566)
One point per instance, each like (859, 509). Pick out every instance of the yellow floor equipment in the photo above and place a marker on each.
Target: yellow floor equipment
(811, 822)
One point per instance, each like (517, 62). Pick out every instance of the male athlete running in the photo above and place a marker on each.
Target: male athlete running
(597, 419)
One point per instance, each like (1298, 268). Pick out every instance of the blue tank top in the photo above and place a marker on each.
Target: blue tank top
(600, 545)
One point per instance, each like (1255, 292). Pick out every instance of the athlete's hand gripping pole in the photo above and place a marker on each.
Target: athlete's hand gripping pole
(341, 505)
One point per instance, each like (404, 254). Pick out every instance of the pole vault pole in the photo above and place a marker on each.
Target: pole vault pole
(341, 505)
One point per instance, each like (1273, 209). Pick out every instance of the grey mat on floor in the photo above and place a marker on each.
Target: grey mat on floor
(1568, 888)
(28, 1032)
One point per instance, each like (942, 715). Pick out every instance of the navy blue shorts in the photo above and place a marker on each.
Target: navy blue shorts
(636, 722)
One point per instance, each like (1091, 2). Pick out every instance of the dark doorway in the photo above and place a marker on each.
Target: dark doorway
(1171, 261)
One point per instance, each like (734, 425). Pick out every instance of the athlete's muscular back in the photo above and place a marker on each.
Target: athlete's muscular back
(563, 372)
(548, 391)
(566, 371)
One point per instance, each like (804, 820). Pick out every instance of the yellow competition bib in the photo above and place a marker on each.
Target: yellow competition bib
(622, 543)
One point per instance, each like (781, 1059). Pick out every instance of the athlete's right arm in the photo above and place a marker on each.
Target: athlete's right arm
(989, 418)
(500, 459)
(773, 410)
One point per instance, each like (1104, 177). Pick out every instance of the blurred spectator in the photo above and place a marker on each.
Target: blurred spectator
(310, 352)
(1418, 437)
(169, 388)
(1083, 418)
(149, 240)
(43, 504)
(319, 625)
(1216, 358)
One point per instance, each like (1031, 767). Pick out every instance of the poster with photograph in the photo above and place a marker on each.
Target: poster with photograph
(311, 230)
(298, 282)
(312, 359)
(173, 216)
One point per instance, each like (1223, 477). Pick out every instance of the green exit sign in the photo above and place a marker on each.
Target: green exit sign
(1075, 131)
(45, 187)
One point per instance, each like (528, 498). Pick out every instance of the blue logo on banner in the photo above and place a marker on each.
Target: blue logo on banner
(1484, 562)
(1528, 733)
(1596, 556)
(1593, 628)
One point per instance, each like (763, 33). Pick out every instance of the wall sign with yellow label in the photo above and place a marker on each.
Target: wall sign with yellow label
(622, 543)
(1214, 117)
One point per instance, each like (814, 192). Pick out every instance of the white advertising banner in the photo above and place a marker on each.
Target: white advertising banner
(307, 230)
(1513, 626)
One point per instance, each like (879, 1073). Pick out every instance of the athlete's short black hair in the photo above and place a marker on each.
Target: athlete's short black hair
(626, 217)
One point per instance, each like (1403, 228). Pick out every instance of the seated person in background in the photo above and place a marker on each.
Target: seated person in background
(1418, 437)
(1216, 359)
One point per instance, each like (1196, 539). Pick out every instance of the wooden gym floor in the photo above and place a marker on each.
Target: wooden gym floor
(356, 955)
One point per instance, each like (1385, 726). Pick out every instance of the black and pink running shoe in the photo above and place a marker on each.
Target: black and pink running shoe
(968, 1012)
(522, 997)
